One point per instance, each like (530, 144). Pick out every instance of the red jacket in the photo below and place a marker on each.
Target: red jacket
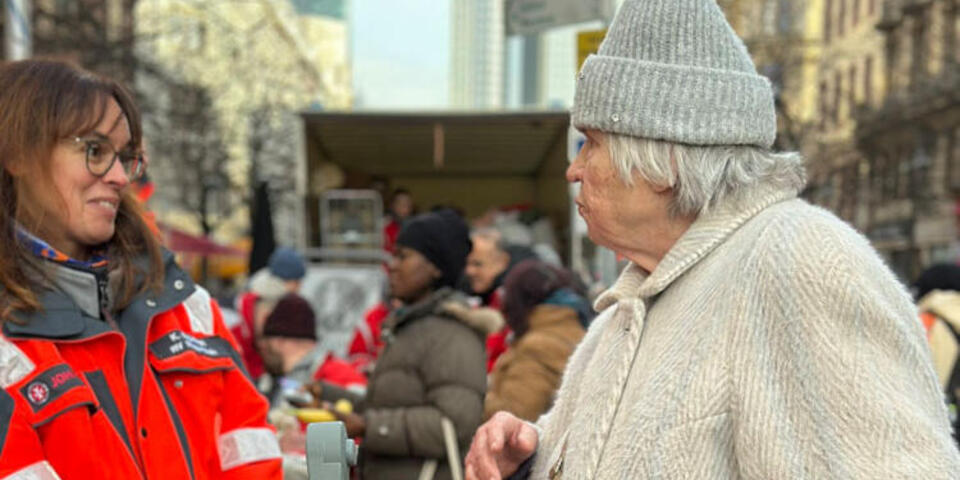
(340, 373)
(366, 344)
(497, 341)
(162, 398)
(243, 333)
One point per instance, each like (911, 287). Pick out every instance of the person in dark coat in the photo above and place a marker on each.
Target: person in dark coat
(431, 369)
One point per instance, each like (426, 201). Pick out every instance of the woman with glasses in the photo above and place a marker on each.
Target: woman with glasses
(113, 364)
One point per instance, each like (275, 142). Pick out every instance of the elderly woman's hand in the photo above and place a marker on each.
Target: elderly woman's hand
(499, 447)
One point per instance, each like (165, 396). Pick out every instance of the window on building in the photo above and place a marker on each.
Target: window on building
(768, 17)
(824, 105)
(855, 13)
(953, 162)
(920, 166)
(903, 173)
(785, 16)
(842, 18)
(848, 192)
(837, 96)
(868, 81)
(890, 177)
(827, 20)
(876, 180)
(774, 73)
(871, 7)
(891, 56)
(67, 7)
(919, 44)
(950, 20)
(852, 89)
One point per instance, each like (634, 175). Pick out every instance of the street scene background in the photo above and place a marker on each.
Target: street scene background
(291, 122)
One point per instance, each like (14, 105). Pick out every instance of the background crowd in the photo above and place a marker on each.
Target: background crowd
(750, 334)
(471, 324)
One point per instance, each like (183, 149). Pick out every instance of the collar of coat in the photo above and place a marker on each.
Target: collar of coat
(452, 304)
(66, 316)
(707, 232)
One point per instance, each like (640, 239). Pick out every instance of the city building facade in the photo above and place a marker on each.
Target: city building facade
(227, 81)
(785, 49)
(477, 54)
(849, 78)
(97, 34)
(911, 137)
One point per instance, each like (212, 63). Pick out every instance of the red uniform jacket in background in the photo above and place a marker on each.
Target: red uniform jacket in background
(243, 333)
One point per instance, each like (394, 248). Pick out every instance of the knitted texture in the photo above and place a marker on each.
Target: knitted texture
(675, 70)
(292, 317)
(770, 342)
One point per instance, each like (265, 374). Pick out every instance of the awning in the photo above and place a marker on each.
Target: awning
(458, 143)
(179, 241)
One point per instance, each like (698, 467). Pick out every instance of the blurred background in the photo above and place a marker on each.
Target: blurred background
(292, 122)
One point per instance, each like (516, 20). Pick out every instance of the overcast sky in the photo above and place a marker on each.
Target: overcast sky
(401, 53)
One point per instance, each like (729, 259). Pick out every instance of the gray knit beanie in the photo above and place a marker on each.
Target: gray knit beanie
(674, 70)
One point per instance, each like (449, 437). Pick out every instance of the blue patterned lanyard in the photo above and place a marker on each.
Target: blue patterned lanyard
(43, 249)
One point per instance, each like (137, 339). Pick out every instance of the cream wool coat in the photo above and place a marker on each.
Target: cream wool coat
(771, 342)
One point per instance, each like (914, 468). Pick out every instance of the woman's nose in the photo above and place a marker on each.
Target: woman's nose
(117, 175)
(574, 171)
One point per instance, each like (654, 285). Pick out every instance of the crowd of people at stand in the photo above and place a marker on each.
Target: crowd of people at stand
(473, 325)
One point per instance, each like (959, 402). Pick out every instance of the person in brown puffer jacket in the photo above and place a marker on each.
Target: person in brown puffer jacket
(548, 316)
(433, 362)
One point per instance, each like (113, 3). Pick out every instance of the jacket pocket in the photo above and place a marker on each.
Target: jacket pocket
(192, 386)
(190, 373)
(190, 379)
(180, 351)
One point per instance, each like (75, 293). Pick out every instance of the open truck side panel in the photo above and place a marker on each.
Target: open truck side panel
(472, 161)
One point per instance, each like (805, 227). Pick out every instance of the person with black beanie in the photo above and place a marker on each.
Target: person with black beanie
(431, 370)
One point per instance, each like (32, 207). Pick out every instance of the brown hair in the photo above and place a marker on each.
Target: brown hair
(41, 103)
(529, 284)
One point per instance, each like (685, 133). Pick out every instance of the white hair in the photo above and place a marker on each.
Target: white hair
(703, 177)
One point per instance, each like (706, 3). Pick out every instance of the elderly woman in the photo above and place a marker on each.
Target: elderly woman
(752, 335)
(113, 364)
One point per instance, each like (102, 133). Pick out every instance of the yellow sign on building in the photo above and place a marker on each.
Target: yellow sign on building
(588, 42)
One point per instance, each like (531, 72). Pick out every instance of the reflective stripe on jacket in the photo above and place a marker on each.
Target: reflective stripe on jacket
(163, 397)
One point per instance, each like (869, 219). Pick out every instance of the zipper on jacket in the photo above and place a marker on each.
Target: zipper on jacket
(102, 288)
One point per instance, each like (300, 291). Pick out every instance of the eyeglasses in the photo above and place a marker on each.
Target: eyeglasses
(101, 155)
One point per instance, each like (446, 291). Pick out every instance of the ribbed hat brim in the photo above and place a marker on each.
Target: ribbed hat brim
(680, 103)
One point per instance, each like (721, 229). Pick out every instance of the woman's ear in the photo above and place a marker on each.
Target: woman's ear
(435, 272)
(661, 189)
